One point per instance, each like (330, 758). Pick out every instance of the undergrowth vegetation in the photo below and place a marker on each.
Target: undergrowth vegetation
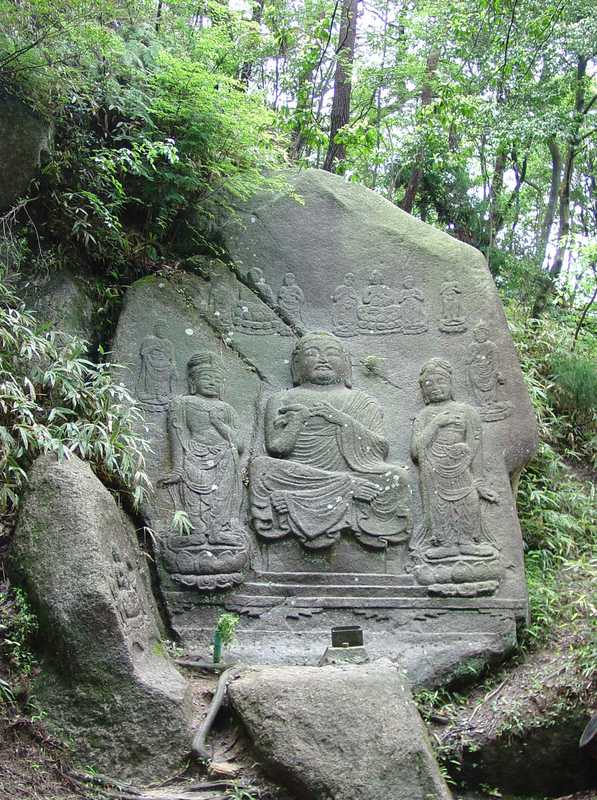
(55, 400)
(556, 493)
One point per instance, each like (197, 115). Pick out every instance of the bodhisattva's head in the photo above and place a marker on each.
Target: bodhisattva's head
(481, 332)
(205, 374)
(321, 358)
(435, 380)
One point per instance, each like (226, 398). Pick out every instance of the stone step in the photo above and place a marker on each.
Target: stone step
(336, 578)
(260, 589)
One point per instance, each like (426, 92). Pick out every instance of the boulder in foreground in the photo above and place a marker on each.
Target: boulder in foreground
(106, 684)
(339, 732)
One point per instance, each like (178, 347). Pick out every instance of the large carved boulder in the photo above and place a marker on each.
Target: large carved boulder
(25, 140)
(61, 302)
(341, 732)
(338, 417)
(107, 684)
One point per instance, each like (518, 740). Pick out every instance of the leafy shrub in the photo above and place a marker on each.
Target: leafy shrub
(575, 382)
(53, 399)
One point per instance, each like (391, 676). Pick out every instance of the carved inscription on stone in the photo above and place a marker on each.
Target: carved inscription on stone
(452, 318)
(346, 303)
(379, 312)
(454, 552)
(157, 370)
(325, 471)
(484, 376)
(204, 482)
(291, 299)
(412, 308)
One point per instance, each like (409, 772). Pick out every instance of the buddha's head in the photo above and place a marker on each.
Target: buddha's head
(409, 282)
(435, 380)
(160, 329)
(289, 279)
(321, 358)
(205, 372)
(349, 279)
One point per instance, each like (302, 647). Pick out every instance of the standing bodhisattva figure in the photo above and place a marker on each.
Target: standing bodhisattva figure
(326, 471)
(447, 447)
(205, 446)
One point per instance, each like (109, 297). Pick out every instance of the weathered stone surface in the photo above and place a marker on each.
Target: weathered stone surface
(107, 683)
(339, 732)
(376, 454)
(62, 303)
(25, 139)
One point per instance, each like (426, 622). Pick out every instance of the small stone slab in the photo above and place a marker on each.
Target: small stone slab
(107, 684)
(341, 732)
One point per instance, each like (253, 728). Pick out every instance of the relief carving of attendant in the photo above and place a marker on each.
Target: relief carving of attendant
(325, 471)
(205, 444)
(157, 372)
(484, 375)
(452, 319)
(379, 313)
(254, 317)
(346, 303)
(291, 299)
(412, 308)
(447, 447)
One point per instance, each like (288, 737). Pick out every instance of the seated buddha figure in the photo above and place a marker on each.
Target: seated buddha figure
(325, 471)
(379, 311)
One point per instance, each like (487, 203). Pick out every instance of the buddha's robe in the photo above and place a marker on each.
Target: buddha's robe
(316, 483)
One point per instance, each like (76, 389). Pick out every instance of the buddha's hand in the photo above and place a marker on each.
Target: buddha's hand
(486, 493)
(328, 412)
(447, 418)
(366, 490)
(290, 413)
(173, 477)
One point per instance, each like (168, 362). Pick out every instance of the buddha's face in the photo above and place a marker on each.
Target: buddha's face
(206, 382)
(321, 361)
(480, 334)
(289, 279)
(161, 330)
(409, 282)
(437, 387)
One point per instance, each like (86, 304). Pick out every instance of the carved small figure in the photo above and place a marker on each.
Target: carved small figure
(412, 307)
(452, 318)
(157, 372)
(123, 586)
(326, 470)
(219, 303)
(346, 302)
(378, 312)
(447, 447)
(254, 317)
(205, 444)
(291, 299)
(485, 377)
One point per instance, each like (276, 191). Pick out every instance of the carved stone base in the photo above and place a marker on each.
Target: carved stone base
(459, 575)
(496, 411)
(479, 589)
(452, 326)
(194, 563)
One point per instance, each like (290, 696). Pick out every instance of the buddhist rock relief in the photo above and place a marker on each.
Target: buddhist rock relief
(484, 376)
(452, 318)
(204, 482)
(456, 552)
(325, 472)
(157, 370)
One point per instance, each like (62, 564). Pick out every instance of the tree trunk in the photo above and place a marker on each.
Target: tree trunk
(256, 16)
(555, 267)
(412, 187)
(342, 82)
(550, 210)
